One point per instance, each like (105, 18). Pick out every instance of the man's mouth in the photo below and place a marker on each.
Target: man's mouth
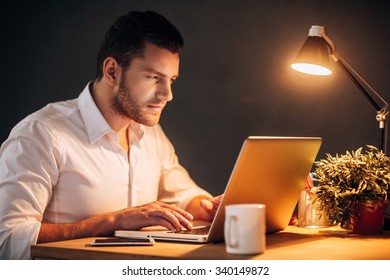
(156, 107)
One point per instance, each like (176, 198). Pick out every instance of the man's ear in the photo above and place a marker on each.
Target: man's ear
(111, 71)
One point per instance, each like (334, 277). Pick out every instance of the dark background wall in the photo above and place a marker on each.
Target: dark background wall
(235, 76)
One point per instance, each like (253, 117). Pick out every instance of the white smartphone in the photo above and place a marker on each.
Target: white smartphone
(117, 241)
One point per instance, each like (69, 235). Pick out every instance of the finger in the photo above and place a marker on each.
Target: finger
(172, 217)
(170, 212)
(217, 200)
(157, 221)
(206, 204)
(166, 219)
(173, 207)
(212, 203)
(184, 222)
(210, 206)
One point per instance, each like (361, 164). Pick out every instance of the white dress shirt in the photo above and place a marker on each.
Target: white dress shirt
(63, 163)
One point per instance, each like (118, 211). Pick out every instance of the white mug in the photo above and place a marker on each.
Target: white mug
(245, 228)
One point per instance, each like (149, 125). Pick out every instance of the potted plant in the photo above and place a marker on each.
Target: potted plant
(353, 189)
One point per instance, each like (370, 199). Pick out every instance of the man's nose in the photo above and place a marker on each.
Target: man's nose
(164, 92)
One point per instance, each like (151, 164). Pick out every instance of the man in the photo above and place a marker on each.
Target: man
(101, 162)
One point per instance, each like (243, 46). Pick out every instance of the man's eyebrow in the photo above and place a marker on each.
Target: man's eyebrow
(159, 73)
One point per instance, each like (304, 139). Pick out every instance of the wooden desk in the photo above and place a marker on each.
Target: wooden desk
(294, 243)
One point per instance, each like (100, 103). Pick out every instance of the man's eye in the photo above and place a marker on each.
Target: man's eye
(153, 77)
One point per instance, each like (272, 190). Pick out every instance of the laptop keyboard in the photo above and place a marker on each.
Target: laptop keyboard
(197, 231)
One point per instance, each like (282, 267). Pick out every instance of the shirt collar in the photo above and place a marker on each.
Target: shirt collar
(136, 133)
(95, 124)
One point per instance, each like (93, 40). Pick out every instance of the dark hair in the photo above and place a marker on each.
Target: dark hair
(126, 38)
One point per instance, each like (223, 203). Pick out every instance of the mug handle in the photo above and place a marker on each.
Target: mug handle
(232, 242)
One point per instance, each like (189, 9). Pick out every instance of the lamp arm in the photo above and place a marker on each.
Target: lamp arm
(352, 74)
(382, 112)
(356, 82)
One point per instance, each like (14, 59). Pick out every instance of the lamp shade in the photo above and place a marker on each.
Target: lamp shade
(313, 58)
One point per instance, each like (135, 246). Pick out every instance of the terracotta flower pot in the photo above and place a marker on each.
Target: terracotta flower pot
(368, 218)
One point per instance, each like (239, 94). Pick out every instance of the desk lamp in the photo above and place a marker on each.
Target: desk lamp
(313, 59)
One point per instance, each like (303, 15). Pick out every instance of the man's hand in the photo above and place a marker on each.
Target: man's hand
(204, 208)
(211, 206)
(151, 214)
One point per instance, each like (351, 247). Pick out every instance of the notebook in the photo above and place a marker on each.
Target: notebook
(268, 170)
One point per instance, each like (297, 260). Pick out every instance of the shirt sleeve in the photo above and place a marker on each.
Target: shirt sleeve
(27, 173)
(176, 186)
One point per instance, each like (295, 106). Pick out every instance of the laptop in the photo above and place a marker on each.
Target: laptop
(268, 170)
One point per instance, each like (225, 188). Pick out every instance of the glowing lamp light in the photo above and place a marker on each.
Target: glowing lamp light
(313, 59)
(311, 69)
